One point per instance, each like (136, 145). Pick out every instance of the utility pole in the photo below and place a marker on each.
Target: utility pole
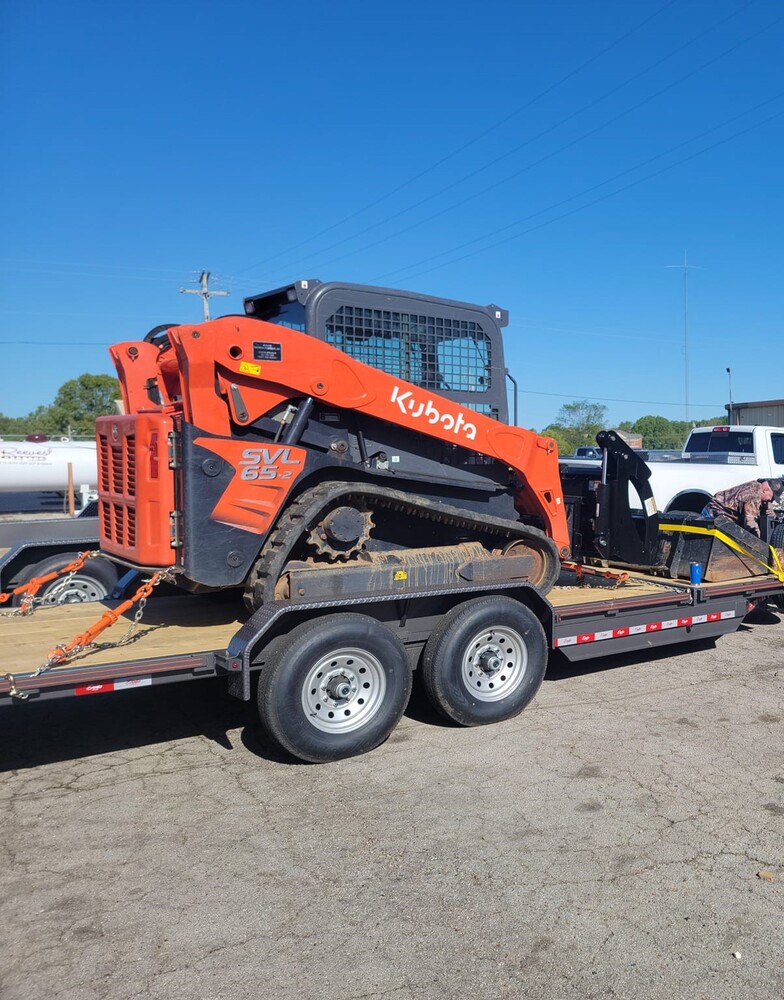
(686, 268)
(204, 291)
(729, 376)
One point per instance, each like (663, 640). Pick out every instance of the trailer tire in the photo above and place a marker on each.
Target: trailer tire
(485, 661)
(336, 687)
(93, 582)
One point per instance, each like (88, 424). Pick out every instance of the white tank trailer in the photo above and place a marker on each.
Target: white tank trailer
(42, 466)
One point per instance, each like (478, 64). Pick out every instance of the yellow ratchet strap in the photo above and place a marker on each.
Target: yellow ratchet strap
(775, 568)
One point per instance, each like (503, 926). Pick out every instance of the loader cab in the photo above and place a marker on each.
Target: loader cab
(451, 348)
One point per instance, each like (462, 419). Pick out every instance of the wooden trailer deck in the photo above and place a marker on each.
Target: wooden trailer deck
(173, 626)
(181, 634)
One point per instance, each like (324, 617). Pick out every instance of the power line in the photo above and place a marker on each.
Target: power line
(544, 132)
(532, 327)
(542, 159)
(113, 277)
(611, 399)
(470, 142)
(585, 191)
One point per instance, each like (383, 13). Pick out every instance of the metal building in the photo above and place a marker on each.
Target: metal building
(764, 411)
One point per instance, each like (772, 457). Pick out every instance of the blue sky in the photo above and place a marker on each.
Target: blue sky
(550, 157)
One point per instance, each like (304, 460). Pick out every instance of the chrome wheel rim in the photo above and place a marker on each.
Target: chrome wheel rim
(344, 690)
(494, 663)
(75, 591)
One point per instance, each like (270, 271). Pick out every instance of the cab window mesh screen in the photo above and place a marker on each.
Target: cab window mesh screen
(430, 351)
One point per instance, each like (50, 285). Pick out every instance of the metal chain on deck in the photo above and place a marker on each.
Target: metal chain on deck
(86, 640)
(28, 590)
(13, 690)
(580, 571)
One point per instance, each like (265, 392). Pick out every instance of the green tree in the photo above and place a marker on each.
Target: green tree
(577, 424)
(563, 439)
(77, 404)
(12, 425)
(659, 432)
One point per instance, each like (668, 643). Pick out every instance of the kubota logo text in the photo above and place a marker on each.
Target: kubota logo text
(413, 407)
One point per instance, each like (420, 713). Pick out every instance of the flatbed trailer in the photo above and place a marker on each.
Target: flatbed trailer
(288, 642)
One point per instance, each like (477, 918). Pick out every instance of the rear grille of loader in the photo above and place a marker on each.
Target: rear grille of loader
(117, 461)
(136, 487)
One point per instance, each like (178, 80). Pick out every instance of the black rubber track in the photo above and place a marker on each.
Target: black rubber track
(308, 509)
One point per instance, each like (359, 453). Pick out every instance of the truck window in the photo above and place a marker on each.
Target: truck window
(777, 446)
(739, 442)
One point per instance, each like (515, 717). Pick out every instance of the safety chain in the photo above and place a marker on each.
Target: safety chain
(13, 690)
(30, 589)
(86, 640)
(618, 576)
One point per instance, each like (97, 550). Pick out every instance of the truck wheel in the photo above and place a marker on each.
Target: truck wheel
(337, 687)
(93, 582)
(485, 661)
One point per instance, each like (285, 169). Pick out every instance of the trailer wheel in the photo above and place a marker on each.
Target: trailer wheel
(337, 687)
(485, 661)
(93, 582)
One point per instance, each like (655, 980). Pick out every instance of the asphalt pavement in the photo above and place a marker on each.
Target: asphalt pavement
(624, 837)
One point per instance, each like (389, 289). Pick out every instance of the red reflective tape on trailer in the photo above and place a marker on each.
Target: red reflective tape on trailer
(621, 633)
(95, 688)
(124, 685)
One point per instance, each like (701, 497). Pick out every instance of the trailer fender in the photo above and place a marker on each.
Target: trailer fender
(255, 642)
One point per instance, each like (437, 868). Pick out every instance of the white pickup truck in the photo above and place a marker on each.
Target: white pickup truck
(713, 459)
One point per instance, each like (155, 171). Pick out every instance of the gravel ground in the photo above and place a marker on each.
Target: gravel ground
(624, 837)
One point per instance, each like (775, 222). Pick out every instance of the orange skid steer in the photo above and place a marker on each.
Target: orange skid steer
(336, 439)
